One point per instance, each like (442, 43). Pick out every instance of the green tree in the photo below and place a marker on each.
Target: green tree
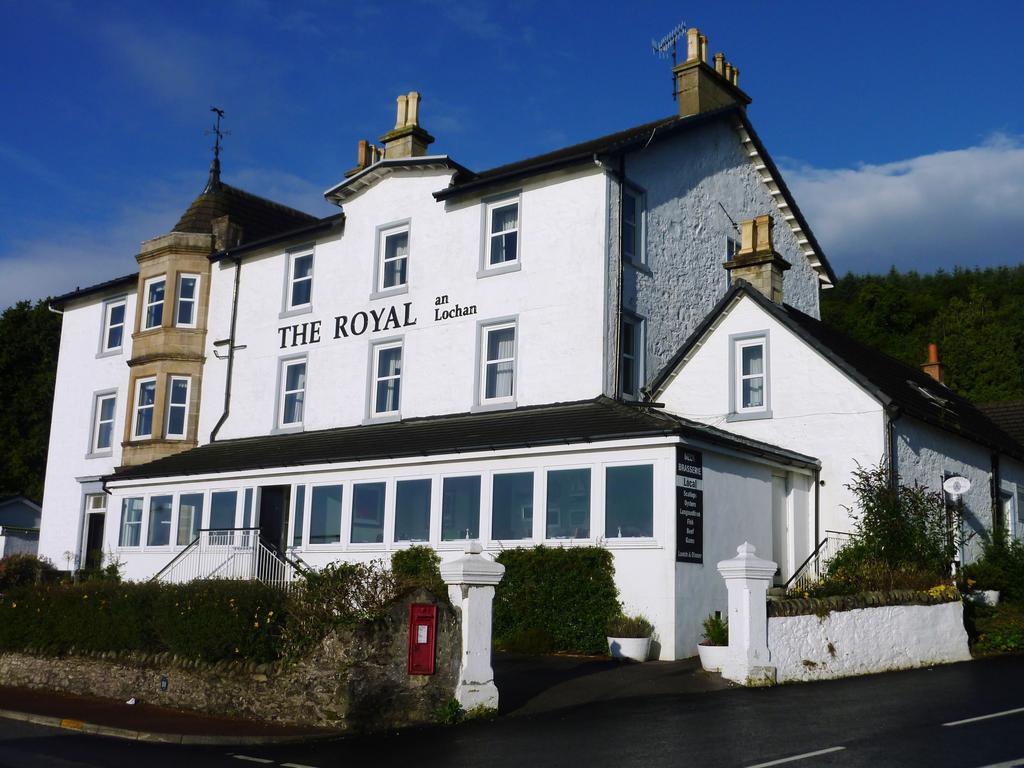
(29, 343)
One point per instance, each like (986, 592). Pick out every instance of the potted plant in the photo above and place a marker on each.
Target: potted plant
(714, 648)
(629, 637)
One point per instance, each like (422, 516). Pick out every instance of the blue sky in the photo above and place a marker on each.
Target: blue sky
(898, 125)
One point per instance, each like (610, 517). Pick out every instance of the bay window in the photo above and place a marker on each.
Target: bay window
(177, 407)
(188, 290)
(145, 403)
(153, 311)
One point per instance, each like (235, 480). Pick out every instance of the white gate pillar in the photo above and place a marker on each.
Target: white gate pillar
(471, 580)
(747, 577)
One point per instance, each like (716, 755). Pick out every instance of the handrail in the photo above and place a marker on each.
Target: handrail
(191, 545)
(231, 553)
(806, 562)
(816, 556)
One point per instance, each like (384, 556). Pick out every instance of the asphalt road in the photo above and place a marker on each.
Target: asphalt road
(900, 719)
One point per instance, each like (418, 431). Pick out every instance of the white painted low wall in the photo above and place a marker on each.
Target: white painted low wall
(866, 640)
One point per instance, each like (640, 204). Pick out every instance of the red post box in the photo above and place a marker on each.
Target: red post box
(422, 630)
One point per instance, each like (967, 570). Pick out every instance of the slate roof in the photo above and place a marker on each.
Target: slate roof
(1008, 416)
(258, 217)
(893, 383)
(586, 421)
(126, 281)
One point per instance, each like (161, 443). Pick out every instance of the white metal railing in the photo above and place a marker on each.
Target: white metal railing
(814, 567)
(229, 553)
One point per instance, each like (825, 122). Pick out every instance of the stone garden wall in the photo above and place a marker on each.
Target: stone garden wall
(355, 680)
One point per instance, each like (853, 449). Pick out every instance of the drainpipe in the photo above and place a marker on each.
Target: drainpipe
(49, 306)
(892, 413)
(994, 490)
(817, 507)
(231, 351)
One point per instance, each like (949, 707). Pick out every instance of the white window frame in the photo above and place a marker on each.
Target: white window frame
(383, 233)
(506, 201)
(170, 404)
(636, 328)
(283, 392)
(737, 343)
(140, 524)
(136, 407)
(194, 301)
(376, 377)
(291, 280)
(97, 422)
(485, 329)
(147, 304)
(108, 309)
(639, 245)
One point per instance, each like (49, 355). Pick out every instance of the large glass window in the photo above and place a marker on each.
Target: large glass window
(153, 313)
(412, 510)
(387, 375)
(293, 393)
(188, 287)
(177, 407)
(499, 365)
(460, 508)
(568, 504)
(190, 517)
(629, 501)
(113, 326)
(325, 515)
(368, 513)
(512, 506)
(222, 510)
(750, 382)
(145, 402)
(394, 259)
(131, 523)
(300, 280)
(103, 428)
(300, 515)
(159, 534)
(502, 233)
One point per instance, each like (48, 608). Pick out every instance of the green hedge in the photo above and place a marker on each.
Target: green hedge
(211, 620)
(554, 599)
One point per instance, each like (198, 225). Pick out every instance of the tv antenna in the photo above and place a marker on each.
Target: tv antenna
(662, 47)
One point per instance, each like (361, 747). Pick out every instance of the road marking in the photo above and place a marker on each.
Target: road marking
(794, 758)
(296, 765)
(1008, 764)
(74, 725)
(252, 759)
(1004, 713)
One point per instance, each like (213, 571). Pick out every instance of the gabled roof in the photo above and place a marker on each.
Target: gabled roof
(371, 174)
(897, 386)
(585, 421)
(258, 217)
(125, 282)
(1008, 416)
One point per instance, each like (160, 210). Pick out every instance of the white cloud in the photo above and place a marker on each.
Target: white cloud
(957, 208)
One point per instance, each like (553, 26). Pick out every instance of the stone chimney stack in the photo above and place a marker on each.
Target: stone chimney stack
(407, 139)
(702, 88)
(366, 155)
(934, 367)
(756, 261)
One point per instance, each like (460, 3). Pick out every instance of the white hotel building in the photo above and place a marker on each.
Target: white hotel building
(456, 355)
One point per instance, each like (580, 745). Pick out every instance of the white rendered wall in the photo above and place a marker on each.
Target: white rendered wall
(81, 372)
(1011, 480)
(924, 453)
(684, 181)
(556, 296)
(816, 409)
(866, 641)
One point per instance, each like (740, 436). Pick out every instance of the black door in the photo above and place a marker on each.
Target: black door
(94, 541)
(273, 519)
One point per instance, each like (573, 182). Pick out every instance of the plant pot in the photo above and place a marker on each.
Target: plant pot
(988, 597)
(712, 657)
(633, 648)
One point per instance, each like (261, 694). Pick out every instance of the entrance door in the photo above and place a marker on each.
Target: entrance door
(273, 515)
(94, 541)
(780, 528)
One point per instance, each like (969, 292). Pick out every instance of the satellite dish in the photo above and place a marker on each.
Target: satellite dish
(956, 485)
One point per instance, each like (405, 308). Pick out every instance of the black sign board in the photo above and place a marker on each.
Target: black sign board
(689, 505)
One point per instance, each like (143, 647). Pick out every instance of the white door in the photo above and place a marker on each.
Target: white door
(781, 528)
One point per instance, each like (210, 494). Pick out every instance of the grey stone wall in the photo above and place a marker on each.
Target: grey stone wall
(356, 680)
(687, 184)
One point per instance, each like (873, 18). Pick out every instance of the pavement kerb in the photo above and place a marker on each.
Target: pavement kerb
(93, 729)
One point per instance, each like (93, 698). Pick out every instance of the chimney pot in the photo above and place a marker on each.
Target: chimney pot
(720, 63)
(692, 44)
(934, 366)
(704, 48)
(400, 120)
(933, 353)
(736, 76)
(413, 116)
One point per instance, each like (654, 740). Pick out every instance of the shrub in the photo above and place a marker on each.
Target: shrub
(716, 631)
(629, 626)
(339, 595)
(1001, 567)
(219, 619)
(999, 629)
(24, 570)
(567, 594)
(418, 567)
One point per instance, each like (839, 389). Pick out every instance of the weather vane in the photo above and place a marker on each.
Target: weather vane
(214, 180)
